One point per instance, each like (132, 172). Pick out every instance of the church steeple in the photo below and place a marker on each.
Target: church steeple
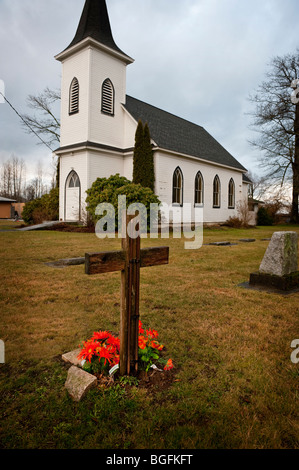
(95, 24)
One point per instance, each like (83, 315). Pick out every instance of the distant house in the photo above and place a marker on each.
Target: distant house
(18, 208)
(6, 208)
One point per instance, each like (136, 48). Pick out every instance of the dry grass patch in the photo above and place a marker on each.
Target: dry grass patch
(235, 384)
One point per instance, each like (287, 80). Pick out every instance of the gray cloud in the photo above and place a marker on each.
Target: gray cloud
(199, 59)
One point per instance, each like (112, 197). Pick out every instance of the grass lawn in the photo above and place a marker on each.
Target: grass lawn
(235, 385)
(8, 224)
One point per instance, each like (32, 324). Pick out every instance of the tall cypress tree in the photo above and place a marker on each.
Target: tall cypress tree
(143, 160)
(138, 153)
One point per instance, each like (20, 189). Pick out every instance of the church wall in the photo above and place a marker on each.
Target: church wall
(165, 167)
(74, 128)
(130, 127)
(128, 167)
(103, 165)
(106, 129)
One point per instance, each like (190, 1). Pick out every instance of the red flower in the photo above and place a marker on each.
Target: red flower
(142, 342)
(115, 342)
(101, 335)
(152, 334)
(115, 360)
(141, 330)
(88, 351)
(169, 365)
(105, 354)
(156, 345)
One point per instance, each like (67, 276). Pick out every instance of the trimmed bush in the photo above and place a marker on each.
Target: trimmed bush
(107, 190)
(43, 208)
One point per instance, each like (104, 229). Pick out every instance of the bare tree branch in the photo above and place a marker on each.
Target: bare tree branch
(276, 119)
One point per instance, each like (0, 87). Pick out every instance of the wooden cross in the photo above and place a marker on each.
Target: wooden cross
(129, 261)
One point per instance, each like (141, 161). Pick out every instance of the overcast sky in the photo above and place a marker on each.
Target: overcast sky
(198, 59)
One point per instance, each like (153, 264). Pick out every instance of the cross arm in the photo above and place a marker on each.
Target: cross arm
(106, 262)
(111, 261)
(154, 256)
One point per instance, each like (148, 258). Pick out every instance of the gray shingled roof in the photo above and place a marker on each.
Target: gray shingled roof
(4, 199)
(94, 23)
(178, 135)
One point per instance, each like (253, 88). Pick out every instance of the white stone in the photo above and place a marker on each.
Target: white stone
(79, 382)
(281, 257)
(72, 357)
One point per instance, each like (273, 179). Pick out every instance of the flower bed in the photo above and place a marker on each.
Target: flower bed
(100, 353)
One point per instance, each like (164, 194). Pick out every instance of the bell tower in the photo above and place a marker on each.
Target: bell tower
(93, 82)
(93, 91)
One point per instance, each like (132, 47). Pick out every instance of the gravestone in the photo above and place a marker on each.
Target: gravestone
(279, 267)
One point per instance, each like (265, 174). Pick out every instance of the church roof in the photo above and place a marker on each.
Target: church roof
(178, 135)
(95, 24)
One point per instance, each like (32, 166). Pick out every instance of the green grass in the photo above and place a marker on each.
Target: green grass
(235, 384)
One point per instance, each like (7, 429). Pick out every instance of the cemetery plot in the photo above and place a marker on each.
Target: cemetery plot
(129, 261)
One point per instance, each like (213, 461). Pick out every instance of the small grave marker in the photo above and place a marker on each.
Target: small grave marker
(129, 261)
(279, 267)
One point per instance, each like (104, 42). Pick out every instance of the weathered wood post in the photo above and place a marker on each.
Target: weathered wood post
(130, 286)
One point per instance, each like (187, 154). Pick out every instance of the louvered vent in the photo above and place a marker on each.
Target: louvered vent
(74, 97)
(107, 97)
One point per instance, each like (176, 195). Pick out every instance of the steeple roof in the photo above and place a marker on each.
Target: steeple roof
(95, 24)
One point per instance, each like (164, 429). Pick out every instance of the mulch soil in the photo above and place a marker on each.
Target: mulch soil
(153, 381)
(71, 228)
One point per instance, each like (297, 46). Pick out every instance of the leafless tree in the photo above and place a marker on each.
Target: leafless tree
(258, 187)
(276, 119)
(43, 122)
(13, 178)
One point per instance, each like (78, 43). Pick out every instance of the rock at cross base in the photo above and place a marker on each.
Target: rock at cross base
(79, 382)
(281, 257)
(72, 358)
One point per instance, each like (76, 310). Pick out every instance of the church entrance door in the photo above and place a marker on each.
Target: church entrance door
(73, 198)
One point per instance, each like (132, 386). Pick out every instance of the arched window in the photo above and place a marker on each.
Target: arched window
(198, 189)
(107, 97)
(73, 180)
(74, 97)
(231, 194)
(177, 187)
(216, 192)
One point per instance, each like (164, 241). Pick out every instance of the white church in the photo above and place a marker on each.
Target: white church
(98, 126)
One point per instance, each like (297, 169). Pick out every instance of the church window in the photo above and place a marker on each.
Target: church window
(216, 192)
(74, 97)
(107, 97)
(177, 191)
(73, 180)
(198, 188)
(231, 194)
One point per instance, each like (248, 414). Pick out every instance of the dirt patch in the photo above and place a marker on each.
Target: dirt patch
(71, 228)
(154, 381)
